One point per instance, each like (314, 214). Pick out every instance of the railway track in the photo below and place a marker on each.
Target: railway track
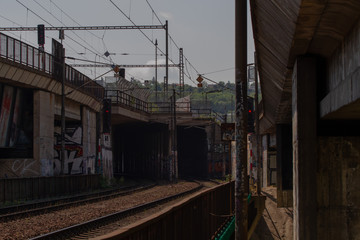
(109, 222)
(36, 208)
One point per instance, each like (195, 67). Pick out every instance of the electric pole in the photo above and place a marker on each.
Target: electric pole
(257, 130)
(156, 88)
(181, 72)
(241, 180)
(61, 36)
(167, 57)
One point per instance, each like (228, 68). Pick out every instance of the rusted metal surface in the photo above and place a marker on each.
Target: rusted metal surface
(20, 189)
(241, 178)
(29, 56)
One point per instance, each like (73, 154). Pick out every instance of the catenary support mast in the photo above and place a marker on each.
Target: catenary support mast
(241, 180)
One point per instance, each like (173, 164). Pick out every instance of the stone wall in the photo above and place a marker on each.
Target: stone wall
(338, 179)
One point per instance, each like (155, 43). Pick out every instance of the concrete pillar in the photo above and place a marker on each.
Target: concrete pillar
(106, 156)
(89, 140)
(284, 160)
(44, 103)
(304, 147)
(170, 153)
(265, 168)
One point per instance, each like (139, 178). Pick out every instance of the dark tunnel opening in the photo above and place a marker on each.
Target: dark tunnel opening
(192, 152)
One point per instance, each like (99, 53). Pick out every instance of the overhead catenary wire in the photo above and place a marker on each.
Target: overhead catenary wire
(71, 31)
(66, 14)
(222, 70)
(33, 12)
(28, 9)
(173, 41)
(147, 37)
(13, 34)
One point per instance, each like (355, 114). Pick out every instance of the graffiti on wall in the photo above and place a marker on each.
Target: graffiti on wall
(6, 107)
(106, 154)
(74, 162)
(16, 117)
(24, 167)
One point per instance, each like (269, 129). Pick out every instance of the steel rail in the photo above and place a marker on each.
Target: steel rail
(32, 209)
(75, 230)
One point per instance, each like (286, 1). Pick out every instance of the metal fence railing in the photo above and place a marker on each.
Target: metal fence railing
(167, 107)
(122, 98)
(23, 189)
(24, 54)
(125, 99)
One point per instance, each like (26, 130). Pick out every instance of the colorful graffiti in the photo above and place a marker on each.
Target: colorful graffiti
(6, 109)
(16, 118)
(74, 162)
(106, 154)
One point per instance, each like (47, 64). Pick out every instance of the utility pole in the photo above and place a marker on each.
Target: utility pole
(257, 130)
(241, 180)
(156, 90)
(61, 36)
(181, 72)
(167, 57)
(175, 137)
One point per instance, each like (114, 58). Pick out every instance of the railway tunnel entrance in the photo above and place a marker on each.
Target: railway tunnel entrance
(141, 149)
(192, 152)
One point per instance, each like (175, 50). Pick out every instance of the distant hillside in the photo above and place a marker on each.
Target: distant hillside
(219, 97)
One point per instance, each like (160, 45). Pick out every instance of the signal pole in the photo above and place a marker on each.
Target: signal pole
(241, 180)
(181, 72)
(156, 88)
(62, 162)
(257, 130)
(167, 57)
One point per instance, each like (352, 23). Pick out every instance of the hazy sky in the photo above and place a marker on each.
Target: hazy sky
(203, 28)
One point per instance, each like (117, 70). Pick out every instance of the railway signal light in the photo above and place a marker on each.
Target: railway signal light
(41, 34)
(251, 116)
(106, 115)
(199, 79)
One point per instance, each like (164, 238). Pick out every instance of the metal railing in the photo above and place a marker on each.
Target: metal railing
(22, 189)
(207, 113)
(122, 98)
(125, 99)
(166, 107)
(24, 54)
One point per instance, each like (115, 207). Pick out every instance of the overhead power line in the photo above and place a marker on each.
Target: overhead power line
(173, 41)
(52, 28)
(66, 14)
(28, 9)
(222, 70)
(72, 30)
(124, 65)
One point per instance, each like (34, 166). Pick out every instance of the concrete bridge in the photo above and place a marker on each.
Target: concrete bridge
(143, 140)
